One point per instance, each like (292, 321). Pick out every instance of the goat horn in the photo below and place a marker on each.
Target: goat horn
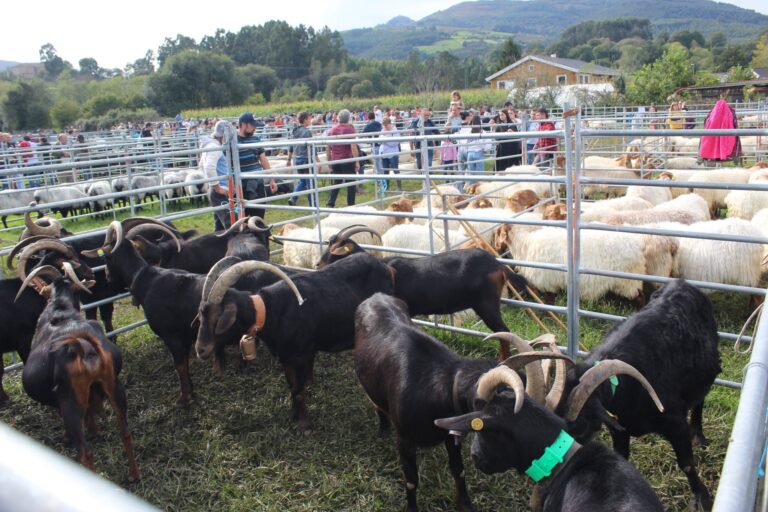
(48, 270)
(216, 270)
(253, 224)
(52, 229)
(555, 394)
(233, 273)
(595, 376)
(136, 225)
(520, 360)
(70, 273)
(50, 244)
(114, 234)
(347, 232)
(21, 245)
(233, 227)
(534, 376)
(489, 381)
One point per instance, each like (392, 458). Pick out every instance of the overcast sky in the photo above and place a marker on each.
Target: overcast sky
(116, 33)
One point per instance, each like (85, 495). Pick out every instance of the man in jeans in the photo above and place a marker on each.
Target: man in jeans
(299, 153)
(252, 160)
(343, 152)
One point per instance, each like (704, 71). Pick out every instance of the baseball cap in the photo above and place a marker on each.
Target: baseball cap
(247, 118)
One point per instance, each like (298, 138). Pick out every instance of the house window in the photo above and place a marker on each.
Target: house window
(532, 82)
(501, 84)
(530, 67)
(562, 79)
(583, 79)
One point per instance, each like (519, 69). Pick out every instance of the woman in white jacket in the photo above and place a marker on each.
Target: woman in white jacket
(214, 164)
(389, 152)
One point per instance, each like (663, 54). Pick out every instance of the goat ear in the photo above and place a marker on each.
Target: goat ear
(462, 424)
(342, 250)
(227, 319)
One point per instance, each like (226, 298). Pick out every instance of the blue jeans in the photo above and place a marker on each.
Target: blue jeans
(531, 152)
(430, 154)
(391, 163)
(475, 163)
(303, 183)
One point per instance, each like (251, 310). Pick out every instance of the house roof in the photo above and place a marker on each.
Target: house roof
(574, 65)
(761, 72)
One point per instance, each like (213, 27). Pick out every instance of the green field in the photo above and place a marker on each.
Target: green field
(234, 448)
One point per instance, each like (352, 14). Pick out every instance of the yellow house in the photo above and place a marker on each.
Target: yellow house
(542, 71)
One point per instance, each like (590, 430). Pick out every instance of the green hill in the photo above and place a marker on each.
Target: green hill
(476, 27)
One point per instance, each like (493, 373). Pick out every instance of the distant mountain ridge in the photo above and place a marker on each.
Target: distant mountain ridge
(475, 27)
(5, 64)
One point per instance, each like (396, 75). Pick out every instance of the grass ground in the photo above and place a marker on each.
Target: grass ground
(234, 448)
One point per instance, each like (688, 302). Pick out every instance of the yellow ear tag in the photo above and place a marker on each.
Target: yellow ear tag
(347, 248)
(100, 252)
(476, 424)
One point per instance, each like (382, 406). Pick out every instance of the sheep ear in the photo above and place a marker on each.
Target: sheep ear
(227, 319)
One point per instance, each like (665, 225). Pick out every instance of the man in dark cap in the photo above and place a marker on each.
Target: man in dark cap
(252, 159)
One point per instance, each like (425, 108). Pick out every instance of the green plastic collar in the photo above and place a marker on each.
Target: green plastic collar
(613, 380)
(553, 455)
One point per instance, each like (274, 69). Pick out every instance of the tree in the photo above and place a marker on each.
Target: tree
(340, 86)
(143, 66)
(101, 104)
(27, 105)
(64, 113)
(740, 74)
(262, 79)
(89, 67)
(196, 79)
(173, 46)
(655, 82)
(760, 55)
(52, 62)
(734, 55)
(508, 53)
(688, 38)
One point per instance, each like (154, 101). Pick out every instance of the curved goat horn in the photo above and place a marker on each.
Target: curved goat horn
(114, 234)
(22, 244)
(534, 376)
(595, 376)
(213, 275)
(253, 224)
(70, 273)
(39, 228)
(233, 273)
(555, 394)
(233, 227)
(348, 231)
(48, 270)
(50, 244)
(489, 381)
(139, 224)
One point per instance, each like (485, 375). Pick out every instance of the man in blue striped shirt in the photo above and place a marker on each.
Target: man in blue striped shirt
(252, 160)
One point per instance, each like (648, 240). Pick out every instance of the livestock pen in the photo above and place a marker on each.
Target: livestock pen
(234, 448)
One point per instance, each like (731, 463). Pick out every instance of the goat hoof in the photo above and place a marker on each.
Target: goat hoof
(384, 433)
(183, 400)
(701, 502)
(134, 476)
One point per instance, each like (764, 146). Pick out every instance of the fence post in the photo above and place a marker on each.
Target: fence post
(572, 199)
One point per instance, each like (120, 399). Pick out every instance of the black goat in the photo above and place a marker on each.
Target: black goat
(413, 379)
(248, 239)
(513, 431)
(293, 332)
(673, 342)
(73, 366)
(19, 315)
(170, 297)
(448, 282)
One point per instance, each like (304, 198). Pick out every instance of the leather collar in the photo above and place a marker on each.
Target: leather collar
(260, 311)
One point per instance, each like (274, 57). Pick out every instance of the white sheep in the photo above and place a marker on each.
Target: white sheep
(598, 210)
(682, 162)
(717, 261)
(654, 195)
(678, 175)
(620, 252)
(453, 196)
(378, 223)
(760, 221)
(598, 167)
(99, 188)
(744, 204)
(416, 237)
(692, 203)
(687, 145)
(716, 197)
(304, 254)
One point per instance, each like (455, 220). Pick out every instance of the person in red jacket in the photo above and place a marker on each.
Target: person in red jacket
(546, 146)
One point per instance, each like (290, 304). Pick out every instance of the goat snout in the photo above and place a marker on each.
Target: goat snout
(203, 350)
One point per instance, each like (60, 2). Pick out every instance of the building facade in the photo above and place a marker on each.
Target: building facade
(542, 71)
